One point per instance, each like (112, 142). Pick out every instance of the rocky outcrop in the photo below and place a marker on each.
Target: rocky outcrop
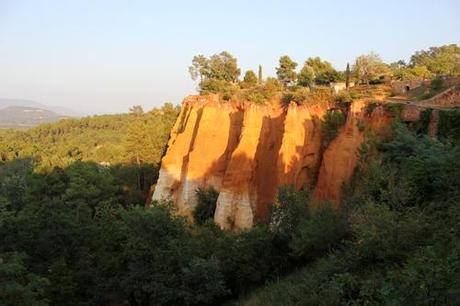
(246, 151)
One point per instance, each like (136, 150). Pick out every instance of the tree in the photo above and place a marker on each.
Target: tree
(250, 79)
(18, 285)
(199, 68)
(369, 66)
(324, 72)
(136, 110)
(222, 66)
(410, 73)
(217, 74)
(206, 204)
(306, 76)
(347, 76)
(286, 71)
(439, 60)
(260, 75)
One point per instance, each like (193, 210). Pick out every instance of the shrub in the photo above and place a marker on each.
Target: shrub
(370, 108)
(225, 88)
(437, 84)
(249, 80)
(449, 124)
(425, 118)
(206, 204)
(297, 95)
(330, 125)
(271, 87)
(319, 233)
(394, 109)
(343, 98)
(290, 209)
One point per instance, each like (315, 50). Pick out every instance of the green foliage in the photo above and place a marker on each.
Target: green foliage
(368, 67)
(290, 210)
(296, 94)
(108, 139)
(437, 84)
(343, 98)
(449, 125)
(217, 74)
(306, 76)
(394, 109)
(259, 75)
(19, 286)
(286, 71)
(225, 88)
(410, 73)
(319, 233)
(423, 123)
(330, 125)
(370, 107)
(302, 95)
(262, 93)
(222, 66)
(323, 71)
(206, 204)
(443, 60)
(256, 96)
(347, 76)
(250, 79)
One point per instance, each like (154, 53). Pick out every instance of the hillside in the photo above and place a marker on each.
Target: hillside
(23, 114)
(24, 117)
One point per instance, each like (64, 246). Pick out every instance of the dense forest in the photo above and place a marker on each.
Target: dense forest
(127, 147)
(74, 229)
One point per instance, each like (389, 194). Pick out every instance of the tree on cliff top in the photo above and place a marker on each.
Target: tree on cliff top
(217, 74)
(249, 80)
(347, 75)
(259, 80)
(222, 66)
(286, 71)
(306, 76)
(368, 67)
(323, 70)
(439, 60)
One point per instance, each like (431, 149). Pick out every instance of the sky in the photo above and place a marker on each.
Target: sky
(104, 56)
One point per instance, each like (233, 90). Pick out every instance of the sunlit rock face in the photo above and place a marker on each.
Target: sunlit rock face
(246, 151)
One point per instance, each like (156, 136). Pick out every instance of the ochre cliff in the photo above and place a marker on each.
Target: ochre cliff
(246, 151)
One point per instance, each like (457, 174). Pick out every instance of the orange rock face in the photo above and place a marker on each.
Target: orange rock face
(247, 151)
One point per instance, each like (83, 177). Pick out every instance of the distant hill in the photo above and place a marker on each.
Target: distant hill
(26, 116)
(63, 111)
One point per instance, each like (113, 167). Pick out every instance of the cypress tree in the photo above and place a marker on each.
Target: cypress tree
(347, 76)
(260, 74)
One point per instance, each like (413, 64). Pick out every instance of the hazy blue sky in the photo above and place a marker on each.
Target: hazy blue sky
(104, 56)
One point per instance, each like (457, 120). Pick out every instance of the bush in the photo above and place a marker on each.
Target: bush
(370, 108)
(330, 125)
(206, 204)
(449, 125)
(297, 95)
(319, 233)
(225, 88)
(437, 84)
(344, 98)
